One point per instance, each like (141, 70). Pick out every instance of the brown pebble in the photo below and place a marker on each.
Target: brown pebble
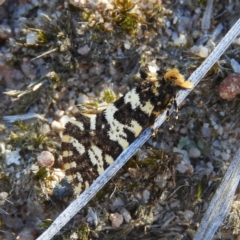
(230, 86)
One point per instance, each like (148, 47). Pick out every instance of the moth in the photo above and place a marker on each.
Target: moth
(91, 144)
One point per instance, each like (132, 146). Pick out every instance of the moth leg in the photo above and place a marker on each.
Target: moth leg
(175, 108)
(176, 113)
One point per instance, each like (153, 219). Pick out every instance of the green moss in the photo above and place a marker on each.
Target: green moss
(42, 36)
(45, 224)
(41, 174)
(127, 17)
(27, 136)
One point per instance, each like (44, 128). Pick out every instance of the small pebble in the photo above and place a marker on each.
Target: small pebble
(181, 40)
(92, 217)
(31, 38)
(5, 31)
(117, 202)
(108, 26)
(200, 51)
(45, 128)
(46, 159)
(116, 219)
(206, 130)
(126, 215)
(56, 126)
(3, 196)
(59, 113)
(217, 153)
(188, 215)
(127, 45)
(194, 153)
(83, 50)
(225, 156)
(12, 157)
(230, 87)
(146, 195)
(27, 234)
(235, 65)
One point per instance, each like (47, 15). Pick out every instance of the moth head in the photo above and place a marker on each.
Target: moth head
(177, 79)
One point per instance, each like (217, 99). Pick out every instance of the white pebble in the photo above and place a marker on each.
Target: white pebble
(46, 159)
(200, 51)
(194, 153)
(74, 110)
(34, 168)
(108, 26)
(127, 44)
(31, 38)
(59, 113)
(181, 40)
(45, 128)
(12, 157)
(3, 196)
(56, 126)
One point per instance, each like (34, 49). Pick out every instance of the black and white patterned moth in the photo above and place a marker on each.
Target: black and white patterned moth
(91, 144)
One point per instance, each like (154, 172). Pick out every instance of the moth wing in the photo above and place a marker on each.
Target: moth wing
(77, 139)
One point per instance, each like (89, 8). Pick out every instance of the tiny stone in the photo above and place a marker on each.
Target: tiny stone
(116, 219)
(117, 202)
(194, 153)
(83, 50)
(45, 128)
(217, 153)
(56, 126)
(46, 159)
(200, 51)
(225, 156)
(27, 234)
(206, 130)
(34, 168)
(12, 157)
(59, 113)
(181, 40)
(146, 195)
(127, 45)
(108, 26)
(74, 110)
(183, 130)
(126, 215)
(31, 38)
(188, 214)
(3, 196)
(216, 143)
(235, 65)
